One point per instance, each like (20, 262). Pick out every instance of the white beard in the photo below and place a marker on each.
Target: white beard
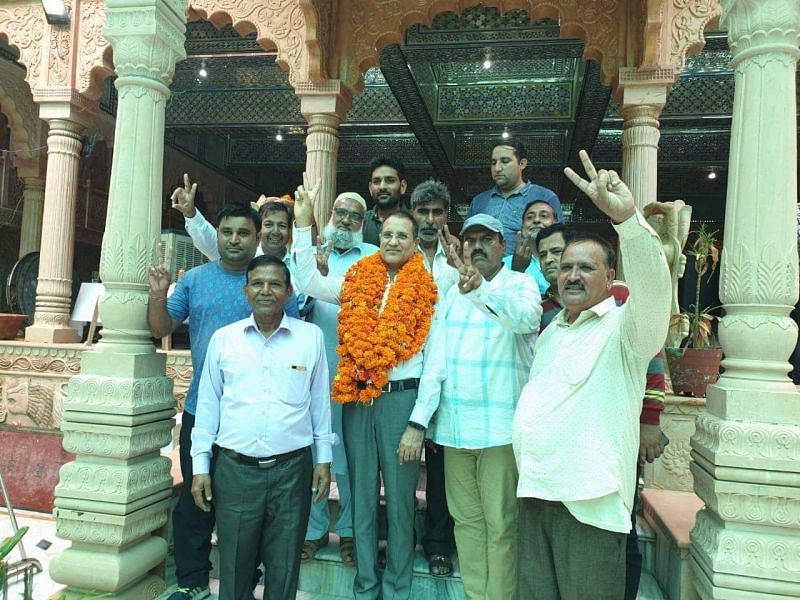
(342, 239)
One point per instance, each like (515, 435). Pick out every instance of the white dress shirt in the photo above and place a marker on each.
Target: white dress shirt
(263, 396)
(576, 428)
(444, 276)
(327, 288)
(478, 360)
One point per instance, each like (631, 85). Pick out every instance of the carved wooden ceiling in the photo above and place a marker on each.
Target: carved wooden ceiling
(433, 104)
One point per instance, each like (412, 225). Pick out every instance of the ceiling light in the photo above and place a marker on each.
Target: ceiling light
(505, 135)
(487, 60)
(202, 72)
(56, 12)
(279, 136)
(712, 175)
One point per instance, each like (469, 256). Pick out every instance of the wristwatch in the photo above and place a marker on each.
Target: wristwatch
(416, 426)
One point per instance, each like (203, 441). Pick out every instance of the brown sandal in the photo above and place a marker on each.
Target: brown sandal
(311, 547)
(347, 551)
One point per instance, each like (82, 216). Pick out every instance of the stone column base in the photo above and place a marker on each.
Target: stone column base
(148, 588)
(51, 335)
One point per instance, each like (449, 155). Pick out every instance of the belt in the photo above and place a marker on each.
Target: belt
(265, 462)
(400, 385)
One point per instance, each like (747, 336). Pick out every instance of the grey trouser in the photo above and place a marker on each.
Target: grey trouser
(560, 558)
(261, 511)
(371, 436)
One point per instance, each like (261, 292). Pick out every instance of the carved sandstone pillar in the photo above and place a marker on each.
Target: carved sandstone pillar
(54, 289)
(643, 95)
(32, 210)
(746, 448)
(324, 109)
(118, 411)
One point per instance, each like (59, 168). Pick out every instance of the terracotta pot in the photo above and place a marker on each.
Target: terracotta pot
(10, 324)
(692, 369)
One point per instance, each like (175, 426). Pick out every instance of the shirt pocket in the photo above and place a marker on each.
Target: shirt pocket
(576, 359)
(293, 382)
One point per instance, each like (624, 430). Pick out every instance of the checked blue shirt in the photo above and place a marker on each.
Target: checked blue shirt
(478, 360)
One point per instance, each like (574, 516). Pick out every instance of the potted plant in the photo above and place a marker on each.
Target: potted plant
(695, 363)
(6, 546)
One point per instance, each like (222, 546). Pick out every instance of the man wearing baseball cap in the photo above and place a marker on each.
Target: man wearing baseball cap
(481, 350)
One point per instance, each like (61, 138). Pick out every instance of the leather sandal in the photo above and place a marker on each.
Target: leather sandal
(347, 550)
(311, 547)
(440, 565)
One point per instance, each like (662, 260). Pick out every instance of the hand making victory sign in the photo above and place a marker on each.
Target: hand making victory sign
(605, 189)
(470, 277)
(183, 198)
(304, 203)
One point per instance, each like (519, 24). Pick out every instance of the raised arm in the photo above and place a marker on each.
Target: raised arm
(516, 305)
(203, 234)
(161, 324)
(646, 313)
(307, 277)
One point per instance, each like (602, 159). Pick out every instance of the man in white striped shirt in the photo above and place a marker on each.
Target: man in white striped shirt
(478, 360)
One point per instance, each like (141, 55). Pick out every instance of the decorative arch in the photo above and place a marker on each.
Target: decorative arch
(23, 28)
(298, 29)
(674, 30)
(16, 102)
(94, 51)
(599, 23)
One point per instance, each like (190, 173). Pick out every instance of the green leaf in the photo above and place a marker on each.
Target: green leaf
(8, 544)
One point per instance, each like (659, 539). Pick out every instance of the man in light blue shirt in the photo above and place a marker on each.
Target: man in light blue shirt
(264, 400)
(275, 217)
(538, 214)
(508, 199)
(341, 247)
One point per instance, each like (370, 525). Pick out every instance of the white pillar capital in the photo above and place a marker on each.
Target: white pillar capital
(762, 26)
(147, 37)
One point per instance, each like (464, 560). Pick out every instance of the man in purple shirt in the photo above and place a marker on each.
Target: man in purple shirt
(512, 194)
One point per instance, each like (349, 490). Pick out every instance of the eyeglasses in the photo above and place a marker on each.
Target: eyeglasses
(341, 213)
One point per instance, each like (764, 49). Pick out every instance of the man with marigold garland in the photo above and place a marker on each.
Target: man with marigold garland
(387, 306)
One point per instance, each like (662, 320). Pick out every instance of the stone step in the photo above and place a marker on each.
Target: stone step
(326, 574)
(671, 515)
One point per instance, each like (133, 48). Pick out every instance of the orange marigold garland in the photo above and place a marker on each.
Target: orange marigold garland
(372, 342)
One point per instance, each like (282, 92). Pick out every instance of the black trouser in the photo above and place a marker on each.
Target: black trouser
(191, 527)
(561, 558)
(261, 512)
(439, 537)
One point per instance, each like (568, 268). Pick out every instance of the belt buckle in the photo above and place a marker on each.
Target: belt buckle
(268, 463)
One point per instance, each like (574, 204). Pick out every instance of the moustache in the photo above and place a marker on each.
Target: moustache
(574, 286)
(478, 253)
